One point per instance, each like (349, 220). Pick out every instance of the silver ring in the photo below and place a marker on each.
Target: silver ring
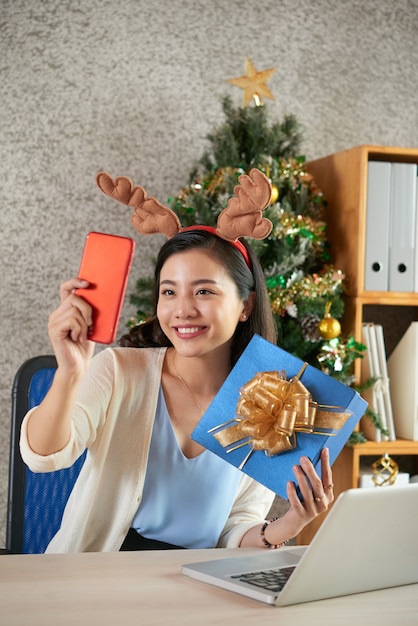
(318, 499)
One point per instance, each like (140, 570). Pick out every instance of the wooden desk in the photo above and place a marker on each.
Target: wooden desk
(131, 588)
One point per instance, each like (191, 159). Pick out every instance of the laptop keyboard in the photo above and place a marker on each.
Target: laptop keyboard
(272, 580)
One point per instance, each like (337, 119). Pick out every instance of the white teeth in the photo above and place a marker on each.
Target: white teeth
(188, 331)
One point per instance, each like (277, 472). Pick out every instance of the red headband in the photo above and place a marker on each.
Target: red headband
(236, 243)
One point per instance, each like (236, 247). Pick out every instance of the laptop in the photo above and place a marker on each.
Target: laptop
(368, 541)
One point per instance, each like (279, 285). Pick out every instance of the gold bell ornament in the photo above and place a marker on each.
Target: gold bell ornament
(274, 194)
(329, 327)
(274, 188)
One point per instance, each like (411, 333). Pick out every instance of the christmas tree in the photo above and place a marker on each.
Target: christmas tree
(305, 289)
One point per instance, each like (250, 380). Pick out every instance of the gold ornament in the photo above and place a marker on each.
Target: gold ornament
(274, 194)
(254, 83)
(329, 327)
(385, 470)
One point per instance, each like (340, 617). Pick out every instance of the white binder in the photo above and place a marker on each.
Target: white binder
(402, 227)
(403, 376)
(376, 270)
(387, 398)
(373, 395)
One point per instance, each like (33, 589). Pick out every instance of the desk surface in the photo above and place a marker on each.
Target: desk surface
(131, 588)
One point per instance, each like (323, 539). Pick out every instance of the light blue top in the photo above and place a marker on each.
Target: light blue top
(185, 502)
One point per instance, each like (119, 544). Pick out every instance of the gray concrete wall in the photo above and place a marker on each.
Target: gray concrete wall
(133, 87)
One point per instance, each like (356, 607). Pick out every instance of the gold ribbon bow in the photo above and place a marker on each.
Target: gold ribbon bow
(271, 410)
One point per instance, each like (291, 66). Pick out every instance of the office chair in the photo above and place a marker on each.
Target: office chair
(36, 501)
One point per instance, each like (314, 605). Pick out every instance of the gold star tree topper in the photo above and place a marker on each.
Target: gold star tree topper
(254, 83)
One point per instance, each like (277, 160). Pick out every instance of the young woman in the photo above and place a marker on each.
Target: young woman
(145, 483)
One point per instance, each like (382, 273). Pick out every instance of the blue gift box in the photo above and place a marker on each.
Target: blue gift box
(275, 471)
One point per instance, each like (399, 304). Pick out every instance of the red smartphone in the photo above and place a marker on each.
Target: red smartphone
(105, 263)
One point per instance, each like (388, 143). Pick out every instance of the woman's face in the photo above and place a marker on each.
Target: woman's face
(198, 304)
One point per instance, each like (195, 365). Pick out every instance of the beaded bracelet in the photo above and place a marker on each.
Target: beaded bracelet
(265, 541)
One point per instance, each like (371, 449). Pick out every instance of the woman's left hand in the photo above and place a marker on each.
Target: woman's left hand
(317, 494)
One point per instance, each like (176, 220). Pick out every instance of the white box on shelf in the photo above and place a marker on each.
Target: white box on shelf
(366, 479)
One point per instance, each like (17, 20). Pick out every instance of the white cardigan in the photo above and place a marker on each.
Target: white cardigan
(113, 418)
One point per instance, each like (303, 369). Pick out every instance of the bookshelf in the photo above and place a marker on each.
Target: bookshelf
(342, 177)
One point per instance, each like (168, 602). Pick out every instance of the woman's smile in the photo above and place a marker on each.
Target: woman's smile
(189, 331)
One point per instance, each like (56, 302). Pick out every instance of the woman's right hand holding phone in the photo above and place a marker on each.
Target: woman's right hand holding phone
(48, 428)
(68, 328)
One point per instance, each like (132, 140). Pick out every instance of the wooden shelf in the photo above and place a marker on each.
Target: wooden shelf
(400, 446)
(342, 178)
(347, 466)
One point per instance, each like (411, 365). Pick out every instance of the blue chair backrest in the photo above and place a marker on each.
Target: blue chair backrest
(36, 501)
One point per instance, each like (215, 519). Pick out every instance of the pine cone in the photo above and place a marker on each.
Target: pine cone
(309, 325)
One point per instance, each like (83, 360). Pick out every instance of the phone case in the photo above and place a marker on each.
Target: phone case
(105, 263)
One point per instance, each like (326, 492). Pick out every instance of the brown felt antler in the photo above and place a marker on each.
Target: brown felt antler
(241, 218)
(243, 215)
(150, 216)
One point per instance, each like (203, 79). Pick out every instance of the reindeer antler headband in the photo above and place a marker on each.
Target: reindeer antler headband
(241, 218)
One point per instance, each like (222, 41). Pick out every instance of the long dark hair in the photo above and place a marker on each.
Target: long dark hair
(261, 321)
